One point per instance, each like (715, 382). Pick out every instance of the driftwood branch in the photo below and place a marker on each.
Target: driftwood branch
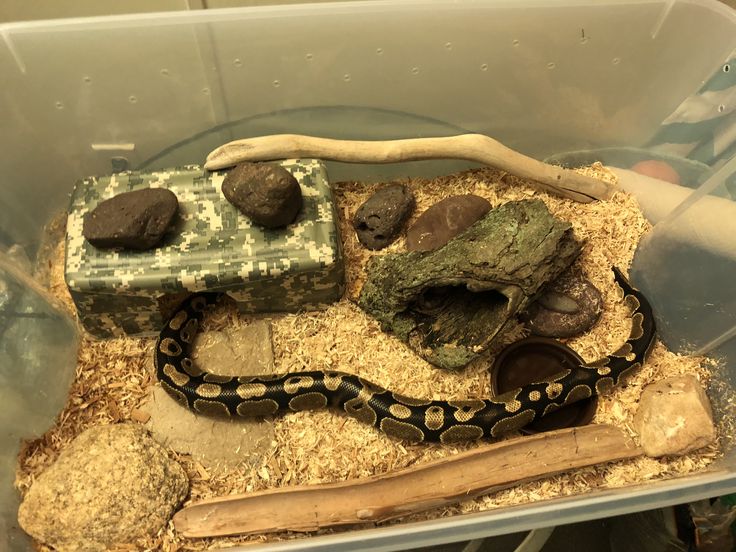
(470, 147)
(396, 494)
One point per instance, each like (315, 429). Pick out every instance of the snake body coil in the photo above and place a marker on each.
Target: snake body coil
(399, 416)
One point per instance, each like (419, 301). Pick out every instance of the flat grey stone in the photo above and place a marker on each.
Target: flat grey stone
(243, 351)
(218, 443)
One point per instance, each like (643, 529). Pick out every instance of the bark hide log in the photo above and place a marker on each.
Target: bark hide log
(452, 303)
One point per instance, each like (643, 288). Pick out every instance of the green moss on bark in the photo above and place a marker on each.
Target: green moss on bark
(452, 303)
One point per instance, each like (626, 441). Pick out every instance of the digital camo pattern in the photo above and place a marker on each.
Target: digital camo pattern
(211, 246)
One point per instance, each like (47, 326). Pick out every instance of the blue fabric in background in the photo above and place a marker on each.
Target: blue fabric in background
(703, 127)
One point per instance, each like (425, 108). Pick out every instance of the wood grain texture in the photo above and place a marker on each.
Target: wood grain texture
(470, 147)
(391, 495)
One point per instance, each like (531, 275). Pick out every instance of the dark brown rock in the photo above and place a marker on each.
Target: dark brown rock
(380, 219)
(131, 220)
(569, 306)
(445, 220)
(266, 193)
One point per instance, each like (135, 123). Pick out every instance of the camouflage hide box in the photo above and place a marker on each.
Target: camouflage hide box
(211, 246)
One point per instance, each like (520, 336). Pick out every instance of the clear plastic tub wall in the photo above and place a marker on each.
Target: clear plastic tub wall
(543, 77)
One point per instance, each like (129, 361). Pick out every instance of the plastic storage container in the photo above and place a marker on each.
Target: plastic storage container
(162, 90)
(34, 381)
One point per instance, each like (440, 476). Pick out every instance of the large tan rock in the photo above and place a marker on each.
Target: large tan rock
(111, 485)
(674, 417)
(218, 443)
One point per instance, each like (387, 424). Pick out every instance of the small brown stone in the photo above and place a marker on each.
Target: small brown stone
(131, 220)
(266, 193)
(674, 417)
(445, 220)
(568, 306)
(380, 219)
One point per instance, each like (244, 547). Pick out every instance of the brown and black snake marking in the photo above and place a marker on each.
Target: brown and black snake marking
(402, 417)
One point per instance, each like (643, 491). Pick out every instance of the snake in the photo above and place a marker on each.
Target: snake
(399, 416)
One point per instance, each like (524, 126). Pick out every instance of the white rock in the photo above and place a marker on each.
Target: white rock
(218, 443)
(674, 417)
(111, 485)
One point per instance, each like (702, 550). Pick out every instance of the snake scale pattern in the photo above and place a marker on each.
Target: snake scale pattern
(406, 418)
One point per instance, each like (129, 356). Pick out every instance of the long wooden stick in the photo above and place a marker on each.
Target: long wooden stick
(391, 495)
(471, 147)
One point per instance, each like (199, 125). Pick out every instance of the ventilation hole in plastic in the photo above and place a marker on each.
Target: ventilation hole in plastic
(721, 108)
(59, 105)
(448, 45)
(165, 72)
(551, 65)
(726, 68)
(276, 84)
(616, 61)
(379, 51)
(484, 67)
(309, 56)
(346, 77)
(515, 42)
(237, 62)
(87, 79)
(132, 99)
(415, 70)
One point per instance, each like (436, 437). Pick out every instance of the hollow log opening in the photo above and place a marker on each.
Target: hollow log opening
(454, 314)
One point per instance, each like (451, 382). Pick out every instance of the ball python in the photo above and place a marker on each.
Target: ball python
(399, 416)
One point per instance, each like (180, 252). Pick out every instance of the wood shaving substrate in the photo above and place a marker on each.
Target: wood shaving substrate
(114, 376)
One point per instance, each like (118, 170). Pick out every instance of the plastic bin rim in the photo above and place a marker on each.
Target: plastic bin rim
(321, 9)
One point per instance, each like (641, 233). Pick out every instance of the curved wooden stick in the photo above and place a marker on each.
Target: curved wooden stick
(470, 147)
